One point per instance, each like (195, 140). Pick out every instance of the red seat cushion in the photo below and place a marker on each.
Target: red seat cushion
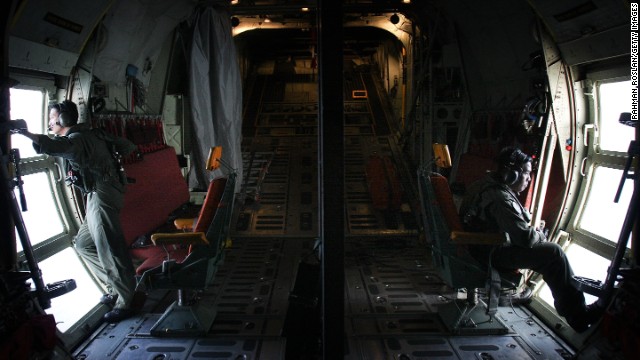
(153, 256)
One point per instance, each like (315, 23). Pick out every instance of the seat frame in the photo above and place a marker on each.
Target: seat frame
(448, 241)
(188, 316)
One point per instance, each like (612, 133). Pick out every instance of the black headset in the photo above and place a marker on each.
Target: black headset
(511, 166)
(67, 113)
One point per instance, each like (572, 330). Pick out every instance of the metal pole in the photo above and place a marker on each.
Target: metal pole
(36, 274)
(331, 177)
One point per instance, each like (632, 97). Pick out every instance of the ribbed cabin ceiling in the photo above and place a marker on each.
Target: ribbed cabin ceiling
(494, 38)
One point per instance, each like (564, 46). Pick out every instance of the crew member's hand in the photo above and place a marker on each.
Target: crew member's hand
(541, 228)
(23, 131)
(18, 126)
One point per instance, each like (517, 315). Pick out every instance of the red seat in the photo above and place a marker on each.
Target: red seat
(383, 182)
(159, 189)
(456, 266)
(156, 255)
(444, 200)
(203, 246)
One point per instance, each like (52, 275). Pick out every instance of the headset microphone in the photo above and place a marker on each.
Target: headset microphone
(51, 126)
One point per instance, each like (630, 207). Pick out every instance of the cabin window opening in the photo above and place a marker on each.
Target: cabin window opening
(604, 185)
(584, 263)
(69, 308)
(42, 218)
(596, 231)
(29, 104)
(613, 99)
(24, 106)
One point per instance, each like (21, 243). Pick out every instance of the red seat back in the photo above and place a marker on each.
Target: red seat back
(159, 189)
(445, 202)
(210, 204)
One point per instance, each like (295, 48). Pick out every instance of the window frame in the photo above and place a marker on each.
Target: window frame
(587, 159)
(595, 158)
(53, 170)
(68, 214)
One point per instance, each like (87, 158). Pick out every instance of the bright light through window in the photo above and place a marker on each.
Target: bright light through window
(601, 195)
(27, 105)
(584, 264)
(70, 307)
(613, 99)
(41, 219)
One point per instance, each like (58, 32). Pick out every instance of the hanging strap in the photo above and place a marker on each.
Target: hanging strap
(494, 285)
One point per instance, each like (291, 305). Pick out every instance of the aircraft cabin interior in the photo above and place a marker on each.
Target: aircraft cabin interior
(298, 173)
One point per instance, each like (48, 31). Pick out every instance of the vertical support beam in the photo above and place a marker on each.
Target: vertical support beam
(8, 256)
(331, 176)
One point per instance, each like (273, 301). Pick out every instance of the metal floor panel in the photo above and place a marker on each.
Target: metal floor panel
(392, 299)
(279, 199)
(148, 348)
(280, 188)
(427, 347)
(250, 293)
(256, 277)
(391, 296)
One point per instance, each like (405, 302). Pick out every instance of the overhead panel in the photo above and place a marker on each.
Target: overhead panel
(591, 30)
(51, 34)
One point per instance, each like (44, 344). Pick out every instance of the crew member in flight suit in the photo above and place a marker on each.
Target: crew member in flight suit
(492, 205)
(100, 240)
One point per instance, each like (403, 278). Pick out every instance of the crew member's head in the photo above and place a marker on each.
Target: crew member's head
(514, 168)
(62, 116)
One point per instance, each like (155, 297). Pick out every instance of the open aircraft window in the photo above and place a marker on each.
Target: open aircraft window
(614, 98)
(72, 306)
(606, 224)
(595, 232)
(42, 217)
(584, 263)
(24, 106)
(38, 187)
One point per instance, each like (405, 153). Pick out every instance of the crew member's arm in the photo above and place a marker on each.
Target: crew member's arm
(35, 138)
(58, 146)
(509, 216)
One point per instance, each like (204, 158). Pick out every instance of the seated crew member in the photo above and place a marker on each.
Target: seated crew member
(492, 205)
(100, 240)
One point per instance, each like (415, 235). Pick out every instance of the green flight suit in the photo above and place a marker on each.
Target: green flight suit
(491, 206)
(100, 240)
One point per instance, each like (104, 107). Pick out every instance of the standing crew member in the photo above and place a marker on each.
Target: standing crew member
(92, 168)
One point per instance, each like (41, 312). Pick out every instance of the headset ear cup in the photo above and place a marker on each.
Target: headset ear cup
(66, 119)
(511, 176)
(67, 113)
(510, 171)
(508, 176)
(62, 118)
